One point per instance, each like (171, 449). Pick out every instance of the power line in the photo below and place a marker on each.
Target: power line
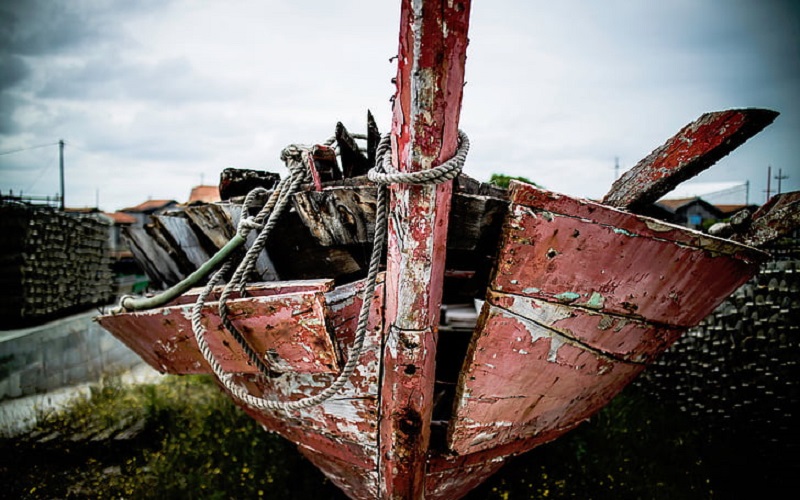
(731, 190)
(28, 148)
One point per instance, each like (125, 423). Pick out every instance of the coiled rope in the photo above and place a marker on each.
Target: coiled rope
(297, 160)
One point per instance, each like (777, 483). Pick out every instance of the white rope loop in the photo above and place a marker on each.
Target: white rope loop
(296, 159)
(385, 173)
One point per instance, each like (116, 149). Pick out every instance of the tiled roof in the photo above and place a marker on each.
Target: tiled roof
(730, 209)
(206, 194)
(676, 203)
(121, 218)
(149, 206)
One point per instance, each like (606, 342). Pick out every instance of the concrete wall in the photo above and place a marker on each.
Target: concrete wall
(62, 353)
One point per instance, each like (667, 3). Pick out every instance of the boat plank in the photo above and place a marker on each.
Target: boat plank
(522, 381)
(356, 482)
(354, 163)
(164, 337)
(779, 216)
(264, 266)
(340, 216)
(180, 229)
(581, 297)
(213, 222)
(621, 337)
(157, 262)
(563, 250)
(693, 149)
(454, 482)
(342, 429)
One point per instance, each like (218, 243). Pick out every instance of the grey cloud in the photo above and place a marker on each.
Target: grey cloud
(12, 71)
(174, 81)
(43, 27)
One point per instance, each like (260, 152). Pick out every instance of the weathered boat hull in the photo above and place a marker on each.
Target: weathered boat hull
(577, 297)
(581, 298)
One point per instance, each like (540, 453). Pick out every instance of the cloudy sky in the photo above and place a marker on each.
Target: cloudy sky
(153, 97)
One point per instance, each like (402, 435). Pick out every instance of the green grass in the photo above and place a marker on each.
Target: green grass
(193, 442)
(634, 448)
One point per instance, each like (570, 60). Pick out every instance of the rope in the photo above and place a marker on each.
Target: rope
(296, 158)
(385, 173)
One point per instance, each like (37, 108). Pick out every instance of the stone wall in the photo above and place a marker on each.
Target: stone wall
(61, 353)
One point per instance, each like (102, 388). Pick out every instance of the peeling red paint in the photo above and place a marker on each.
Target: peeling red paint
(641, 267)
(582, 296)
(269, 323)
(695, 148)
(506, 394)
(424, 134)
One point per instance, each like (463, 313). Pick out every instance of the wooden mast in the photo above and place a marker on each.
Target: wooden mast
(430, 79)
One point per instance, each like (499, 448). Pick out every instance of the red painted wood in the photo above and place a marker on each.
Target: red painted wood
(454, 482)
(695, 148)
(564, 250)
(523, 380)
(430, 79)
(163, 337)
(340, 435)
(620, 337)
(582, 296)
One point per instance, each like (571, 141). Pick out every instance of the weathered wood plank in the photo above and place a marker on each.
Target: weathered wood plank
(695, 148)
(565, 250)
(354, 163)
(235, 182)
(157, 263)
(620, 337)
(475, 221)
(373, 138)
(298, 255)
(523, 380)
(163, 337)
(213, 222)
(776, 218)
(162, 237)
(340, 435)
(323, 165)
(182, 233)
(338, 216)
(582, 296)
(446, 483)
(264, 266)
(430, 80)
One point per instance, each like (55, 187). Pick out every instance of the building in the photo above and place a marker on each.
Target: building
(143, 211)
(694, 213)
(204, 194)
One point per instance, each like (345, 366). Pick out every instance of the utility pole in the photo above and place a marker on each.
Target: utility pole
(61, 169)
(747, 192)
(769, 178)
(780, 177)
(616, 167)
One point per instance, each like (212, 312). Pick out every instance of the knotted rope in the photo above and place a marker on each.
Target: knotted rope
(297, 160)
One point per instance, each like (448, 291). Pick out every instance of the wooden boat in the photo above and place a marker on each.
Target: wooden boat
(575, 297)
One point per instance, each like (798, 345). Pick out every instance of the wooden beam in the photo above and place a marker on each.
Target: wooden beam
(776, 218)
(430, 80)
(695, 148)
